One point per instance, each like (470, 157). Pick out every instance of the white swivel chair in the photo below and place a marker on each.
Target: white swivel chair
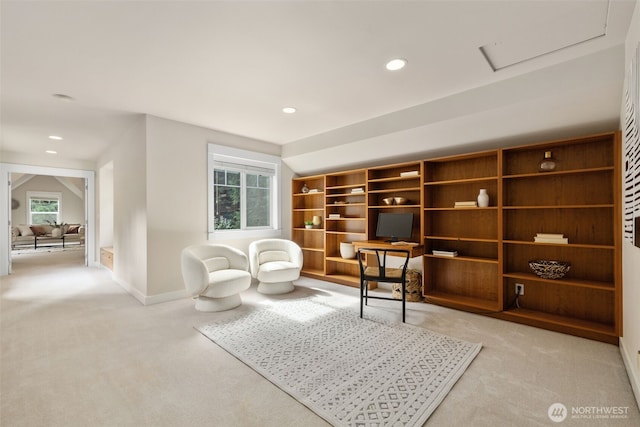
(275, 263)
(215, 275)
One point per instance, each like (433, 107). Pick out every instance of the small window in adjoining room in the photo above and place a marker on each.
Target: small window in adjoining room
(44, 207)
(243, 193)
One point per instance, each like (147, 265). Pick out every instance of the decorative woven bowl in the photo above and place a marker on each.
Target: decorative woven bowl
(549, 269)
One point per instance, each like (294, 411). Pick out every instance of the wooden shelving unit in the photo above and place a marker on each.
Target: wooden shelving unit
(346, 195)
(306, 205)
(470, 280)
(580, 199)
(391, 181)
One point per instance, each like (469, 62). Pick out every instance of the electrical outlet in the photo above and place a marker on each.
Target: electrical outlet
(520, 288)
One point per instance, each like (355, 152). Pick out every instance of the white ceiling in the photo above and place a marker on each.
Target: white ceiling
(232, 66)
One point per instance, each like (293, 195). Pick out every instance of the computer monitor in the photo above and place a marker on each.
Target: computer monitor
(394, 226)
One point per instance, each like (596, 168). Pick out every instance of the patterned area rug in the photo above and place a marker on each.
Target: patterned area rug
(46, 249)
(349, 371)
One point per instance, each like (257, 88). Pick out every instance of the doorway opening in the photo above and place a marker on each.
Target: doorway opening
(55, 205)
(48, 217)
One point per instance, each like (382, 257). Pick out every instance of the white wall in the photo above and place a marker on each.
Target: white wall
(630, 342)
(128, 157)
(176, 177)
(105, 203)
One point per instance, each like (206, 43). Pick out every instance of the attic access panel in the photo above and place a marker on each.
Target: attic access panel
(563, 25)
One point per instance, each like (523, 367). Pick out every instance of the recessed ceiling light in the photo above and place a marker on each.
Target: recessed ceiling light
(396, 64)
(63, 97)
(289, 110)
(57, 138)
(51, 152)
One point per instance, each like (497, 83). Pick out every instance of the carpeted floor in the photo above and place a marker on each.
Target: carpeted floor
(77, 350)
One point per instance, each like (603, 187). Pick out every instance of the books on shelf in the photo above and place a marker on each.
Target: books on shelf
(409, 173)
(313, 190)
(550, 235)
(557, 239)
(357, 190)
(334, 216)
(466, 204)
(445, 253)
(562, 241)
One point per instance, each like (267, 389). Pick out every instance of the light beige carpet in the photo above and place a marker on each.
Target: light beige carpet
(77, 350)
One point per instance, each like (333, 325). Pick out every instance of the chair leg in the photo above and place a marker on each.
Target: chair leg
(404, 298)
(366, 292)
(361, 296)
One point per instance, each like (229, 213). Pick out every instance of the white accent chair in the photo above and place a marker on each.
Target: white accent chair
(215, 275)
(275, 263)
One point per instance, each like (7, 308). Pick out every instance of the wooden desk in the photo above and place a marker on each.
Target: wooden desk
(414, 251)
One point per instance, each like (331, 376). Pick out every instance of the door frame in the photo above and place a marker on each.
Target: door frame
(6, 169)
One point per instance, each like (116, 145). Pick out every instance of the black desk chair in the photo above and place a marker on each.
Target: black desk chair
(382, 273)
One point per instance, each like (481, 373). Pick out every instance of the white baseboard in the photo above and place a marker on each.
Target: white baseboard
(165, 297)
(130, 289)
(630, 361)
(153, 299)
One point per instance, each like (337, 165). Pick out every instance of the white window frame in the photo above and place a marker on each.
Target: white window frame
(50, 195)
(237, 159)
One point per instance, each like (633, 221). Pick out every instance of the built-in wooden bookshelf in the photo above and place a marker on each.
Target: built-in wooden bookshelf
(391, 182)
(469, 280)
(580, 199)
(346, 196)
(308, 201)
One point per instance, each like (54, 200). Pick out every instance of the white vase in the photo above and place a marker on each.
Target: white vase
(483, 198)
(56, 232)
(347, 250)
(316, 220)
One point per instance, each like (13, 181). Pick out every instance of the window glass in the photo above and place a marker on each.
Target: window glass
(44, 210)
(227, 200)
(243, 196)
(258, 201)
